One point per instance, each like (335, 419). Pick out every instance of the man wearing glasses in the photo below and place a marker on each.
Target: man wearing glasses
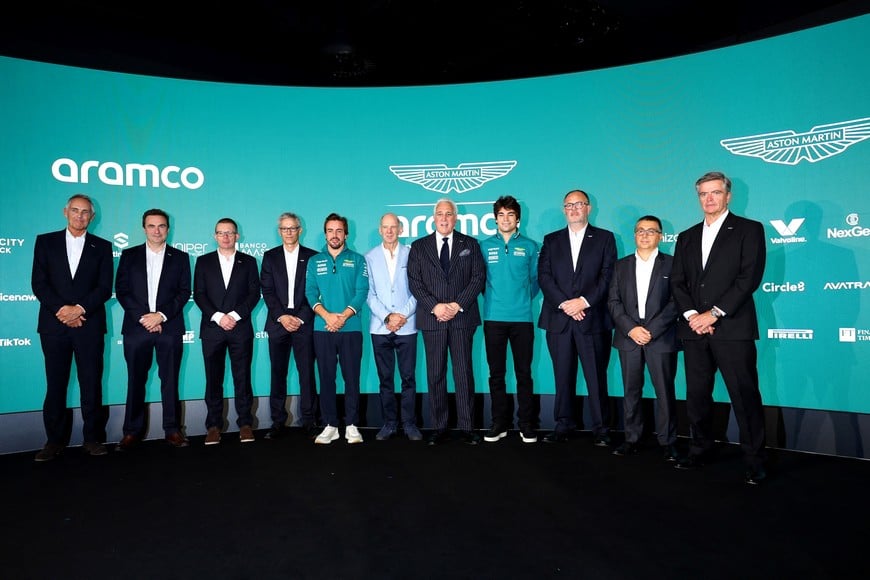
(574, 272)
(290, 325)
(226, 288)
(645, 317)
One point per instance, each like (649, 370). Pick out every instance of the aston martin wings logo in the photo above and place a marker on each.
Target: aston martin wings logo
(462, 178)
(790, 148)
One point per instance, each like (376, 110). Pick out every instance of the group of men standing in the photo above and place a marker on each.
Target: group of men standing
(699, 300)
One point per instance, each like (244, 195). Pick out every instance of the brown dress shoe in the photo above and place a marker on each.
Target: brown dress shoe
(213, 436)
(246, 434)
(94, 448)
(128, 442)
(177, 440)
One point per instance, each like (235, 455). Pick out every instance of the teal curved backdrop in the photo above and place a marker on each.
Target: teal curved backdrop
(787, 118)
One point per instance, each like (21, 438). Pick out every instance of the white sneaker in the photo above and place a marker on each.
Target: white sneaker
(352, 434)
(328, 435)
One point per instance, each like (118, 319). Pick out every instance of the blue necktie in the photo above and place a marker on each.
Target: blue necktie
(445, 256)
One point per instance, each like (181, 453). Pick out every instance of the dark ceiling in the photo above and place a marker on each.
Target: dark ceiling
(392, 42)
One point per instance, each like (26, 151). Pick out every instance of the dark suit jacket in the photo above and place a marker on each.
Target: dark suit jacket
(660, 314)
(273, 280)
(465, 280)
(559, 281)
(54, 286)
(734, 271)
(173, 290)
(241, 295)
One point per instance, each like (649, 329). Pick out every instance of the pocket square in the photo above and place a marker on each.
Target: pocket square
(464, 252)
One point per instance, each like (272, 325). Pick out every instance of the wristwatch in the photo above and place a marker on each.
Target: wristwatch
(715, 313)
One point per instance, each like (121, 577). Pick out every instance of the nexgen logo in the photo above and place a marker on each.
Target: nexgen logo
(787, 230)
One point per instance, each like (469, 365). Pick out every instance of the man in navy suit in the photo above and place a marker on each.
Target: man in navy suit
(290, 325)
(574, 271)
(153, 286)
(226, 288)
(446, 274)
(718, 264)
(393, 328)
(72, 279)
(644, 317)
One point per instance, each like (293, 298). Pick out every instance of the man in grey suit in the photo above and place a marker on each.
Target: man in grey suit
(72, 279)
(226, 288)
(645, 317)
(718, 264)
(446, 273)
(393, 328)
(574, 271)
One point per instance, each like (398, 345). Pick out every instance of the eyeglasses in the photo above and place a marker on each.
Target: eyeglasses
(289, 229)
(576, 205)
(649, 232)
(224, 233)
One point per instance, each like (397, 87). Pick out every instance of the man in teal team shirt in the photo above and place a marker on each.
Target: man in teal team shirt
(511, 285)
(336, 286)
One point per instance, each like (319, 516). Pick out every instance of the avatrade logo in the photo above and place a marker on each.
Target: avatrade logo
(787, 231)
(462, 178)
(790, 333)
(790, 148)
(853, 231)
(843, 285)
(127, 175)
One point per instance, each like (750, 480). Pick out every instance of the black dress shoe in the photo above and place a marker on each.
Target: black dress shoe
(688, 463)
(626, 449)
(755, 475)
(470, 438)
(275, 432)
(602, 440)
(669, 453)
(556, 437)
(438, 438)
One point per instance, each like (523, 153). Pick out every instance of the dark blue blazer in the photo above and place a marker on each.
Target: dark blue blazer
(559, 281)
(463, 283)
(733, 272)
(273, 282)
(54, 286)
(660, 314)
(241, 295)
(173, 290)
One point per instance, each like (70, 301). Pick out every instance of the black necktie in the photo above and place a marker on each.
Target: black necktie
(445, 256)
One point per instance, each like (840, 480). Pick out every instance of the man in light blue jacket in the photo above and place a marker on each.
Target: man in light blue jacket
(393, 328)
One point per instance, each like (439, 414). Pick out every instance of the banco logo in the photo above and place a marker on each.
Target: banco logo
(790, 148)
(464, 177)
(788, 232)
(127, 175)
(855, 230)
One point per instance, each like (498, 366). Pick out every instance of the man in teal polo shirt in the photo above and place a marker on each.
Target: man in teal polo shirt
(511, 285)
(336, 285)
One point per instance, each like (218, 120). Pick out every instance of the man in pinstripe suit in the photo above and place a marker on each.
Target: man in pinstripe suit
(446, 273)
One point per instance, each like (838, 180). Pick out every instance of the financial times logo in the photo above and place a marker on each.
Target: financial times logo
(790, 148)
(464, 177)
(788, 231)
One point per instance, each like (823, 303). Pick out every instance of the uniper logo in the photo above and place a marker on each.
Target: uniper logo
(787, 232)
(128, 175)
